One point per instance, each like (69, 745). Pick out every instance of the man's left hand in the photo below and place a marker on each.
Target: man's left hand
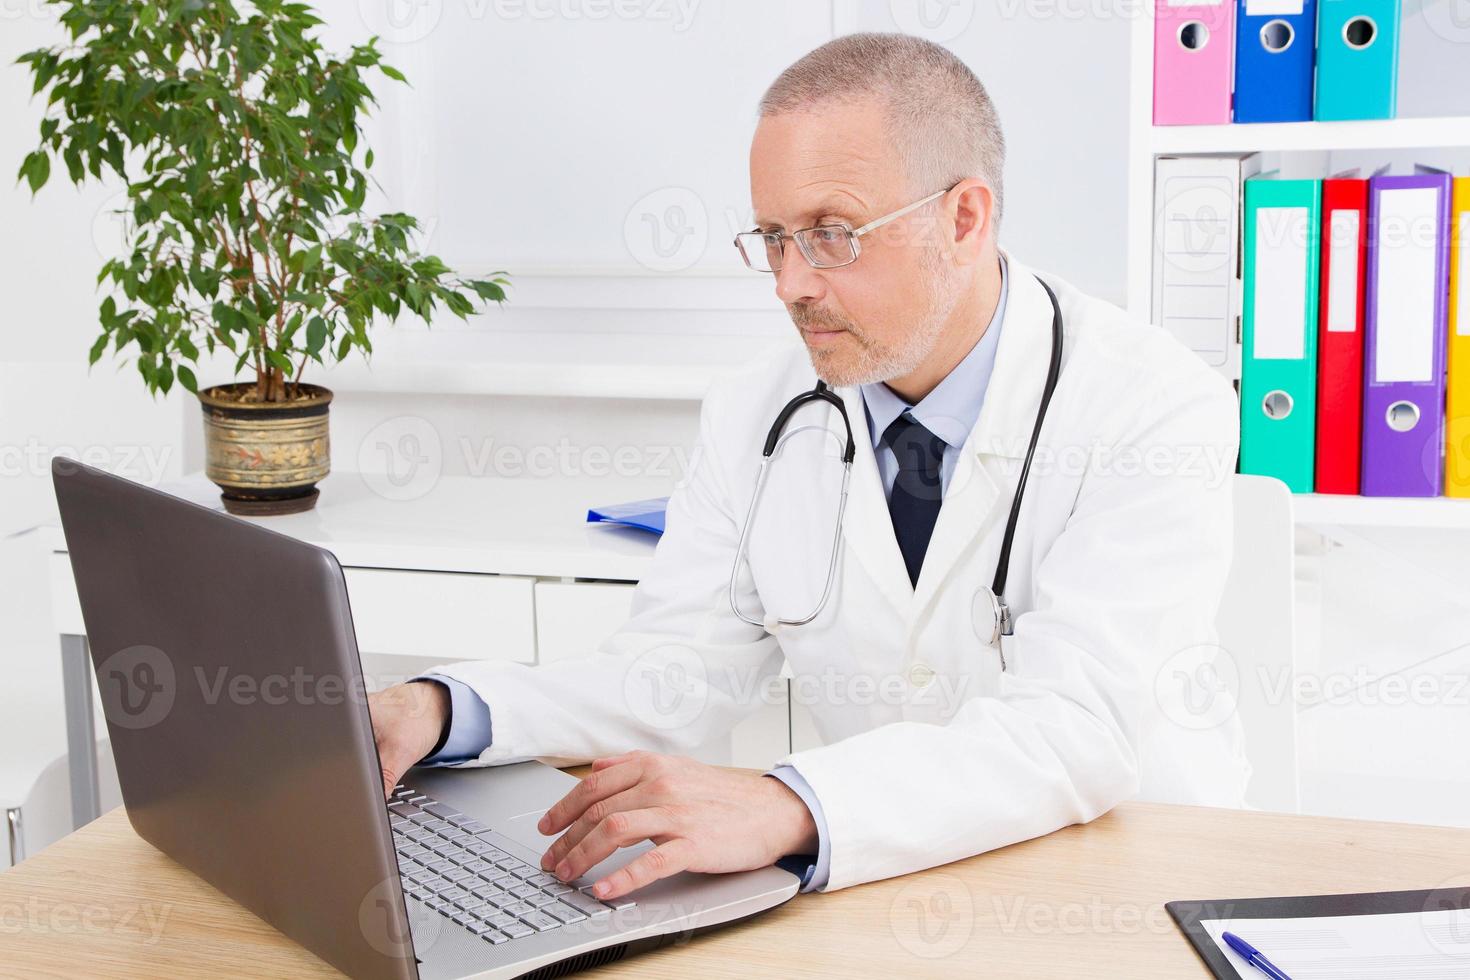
(700, 817)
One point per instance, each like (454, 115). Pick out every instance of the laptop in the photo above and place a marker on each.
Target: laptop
(234, 697)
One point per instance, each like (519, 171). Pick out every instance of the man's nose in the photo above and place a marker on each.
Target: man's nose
(798, 282)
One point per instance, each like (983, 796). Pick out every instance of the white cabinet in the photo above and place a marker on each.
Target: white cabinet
(573, 617)
(442, 615)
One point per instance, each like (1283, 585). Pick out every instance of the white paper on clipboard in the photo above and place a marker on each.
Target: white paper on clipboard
(1429, 945)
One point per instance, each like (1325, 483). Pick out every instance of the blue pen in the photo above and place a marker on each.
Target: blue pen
(1253, 957)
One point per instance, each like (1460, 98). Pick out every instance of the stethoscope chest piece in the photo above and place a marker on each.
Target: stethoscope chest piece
(987, 614)
(991, 620)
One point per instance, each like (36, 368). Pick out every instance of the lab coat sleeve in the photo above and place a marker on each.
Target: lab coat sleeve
(682, 670)
(1135, 574)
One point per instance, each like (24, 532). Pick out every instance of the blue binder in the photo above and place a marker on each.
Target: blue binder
(1275, 54)
(646, 515)
(1358, 59)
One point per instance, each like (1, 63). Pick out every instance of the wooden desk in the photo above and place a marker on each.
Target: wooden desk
(1086, 901)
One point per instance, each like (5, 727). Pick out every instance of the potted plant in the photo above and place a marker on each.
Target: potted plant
(237, 137)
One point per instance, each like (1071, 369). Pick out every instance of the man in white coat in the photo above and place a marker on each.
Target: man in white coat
(937, 744)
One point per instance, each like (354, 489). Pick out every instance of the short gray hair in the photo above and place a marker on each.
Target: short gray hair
(942, 120)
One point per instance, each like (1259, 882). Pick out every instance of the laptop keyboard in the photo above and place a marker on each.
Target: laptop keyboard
(448, 866)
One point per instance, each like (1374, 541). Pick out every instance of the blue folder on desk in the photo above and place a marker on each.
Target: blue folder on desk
(646, 515)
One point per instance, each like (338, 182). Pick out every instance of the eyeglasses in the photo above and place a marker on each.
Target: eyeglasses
(823, 246)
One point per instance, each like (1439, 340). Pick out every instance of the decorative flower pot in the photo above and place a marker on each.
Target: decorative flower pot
(266, 457)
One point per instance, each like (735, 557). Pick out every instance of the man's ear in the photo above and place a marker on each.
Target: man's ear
(971, 203)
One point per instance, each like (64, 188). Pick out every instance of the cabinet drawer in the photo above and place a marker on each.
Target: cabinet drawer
(442, 615)
(573, 617)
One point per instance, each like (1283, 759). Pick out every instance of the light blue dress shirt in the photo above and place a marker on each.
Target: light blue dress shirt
(950, 411)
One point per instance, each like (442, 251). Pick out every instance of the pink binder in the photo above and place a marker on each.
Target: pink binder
(1194, 45)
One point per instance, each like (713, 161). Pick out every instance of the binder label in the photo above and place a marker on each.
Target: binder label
(1462, 299)
(1279, 306)
(1342, 291)
(1405, 296)
(1273, 8)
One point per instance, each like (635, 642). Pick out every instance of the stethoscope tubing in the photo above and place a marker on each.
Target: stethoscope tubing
(776, 438)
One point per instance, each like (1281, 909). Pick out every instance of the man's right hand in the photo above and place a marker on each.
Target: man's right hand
(407, 722)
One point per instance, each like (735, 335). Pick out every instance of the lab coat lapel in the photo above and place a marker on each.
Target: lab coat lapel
(868, 528)
(981, 487)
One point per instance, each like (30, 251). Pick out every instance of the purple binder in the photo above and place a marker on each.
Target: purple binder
(1404, 362)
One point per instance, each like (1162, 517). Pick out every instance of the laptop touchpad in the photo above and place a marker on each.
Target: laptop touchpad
(522, 829)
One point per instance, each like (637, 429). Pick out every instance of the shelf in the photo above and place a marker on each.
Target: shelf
(1444, 513)
(1366, 134)
(675, 382)
(552, 365)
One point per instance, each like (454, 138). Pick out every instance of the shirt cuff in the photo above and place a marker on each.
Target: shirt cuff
(817, 875)
(469, 724)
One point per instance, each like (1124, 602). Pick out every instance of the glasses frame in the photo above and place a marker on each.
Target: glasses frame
(853, 234)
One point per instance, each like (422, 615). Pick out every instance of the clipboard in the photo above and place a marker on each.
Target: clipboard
(645, 515)
(1188, 915)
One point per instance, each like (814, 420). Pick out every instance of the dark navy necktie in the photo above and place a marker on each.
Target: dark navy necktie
(917, 491)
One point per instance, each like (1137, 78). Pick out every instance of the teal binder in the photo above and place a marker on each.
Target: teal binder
(1278, 383)
(1357, 59)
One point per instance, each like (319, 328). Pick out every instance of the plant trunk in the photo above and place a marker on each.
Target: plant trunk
(270, 385)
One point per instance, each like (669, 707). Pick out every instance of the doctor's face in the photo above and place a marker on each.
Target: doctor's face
(880, 317)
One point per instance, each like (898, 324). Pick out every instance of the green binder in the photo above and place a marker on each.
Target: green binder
(1278, 383)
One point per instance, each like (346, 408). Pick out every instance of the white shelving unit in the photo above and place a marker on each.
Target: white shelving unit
(1147, 141)
(1367, 134)
(1328, 510)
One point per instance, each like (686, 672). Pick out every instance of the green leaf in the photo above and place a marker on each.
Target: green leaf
(316, 335)
(95, 354)
(487, 290)
(292, 326)
(392, 73)
(186, 378)
(36, 169)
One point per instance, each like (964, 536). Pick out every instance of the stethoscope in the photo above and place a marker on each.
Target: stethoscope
(989, 601)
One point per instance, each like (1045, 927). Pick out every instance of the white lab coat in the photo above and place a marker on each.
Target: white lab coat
(932, 752)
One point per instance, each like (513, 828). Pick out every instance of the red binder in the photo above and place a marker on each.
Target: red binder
(1340, 335)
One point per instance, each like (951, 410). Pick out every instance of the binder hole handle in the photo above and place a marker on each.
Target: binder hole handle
(1277, 35)
(1277, 404)
(1359, 32)
(1402, 416)
(1193, 35)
